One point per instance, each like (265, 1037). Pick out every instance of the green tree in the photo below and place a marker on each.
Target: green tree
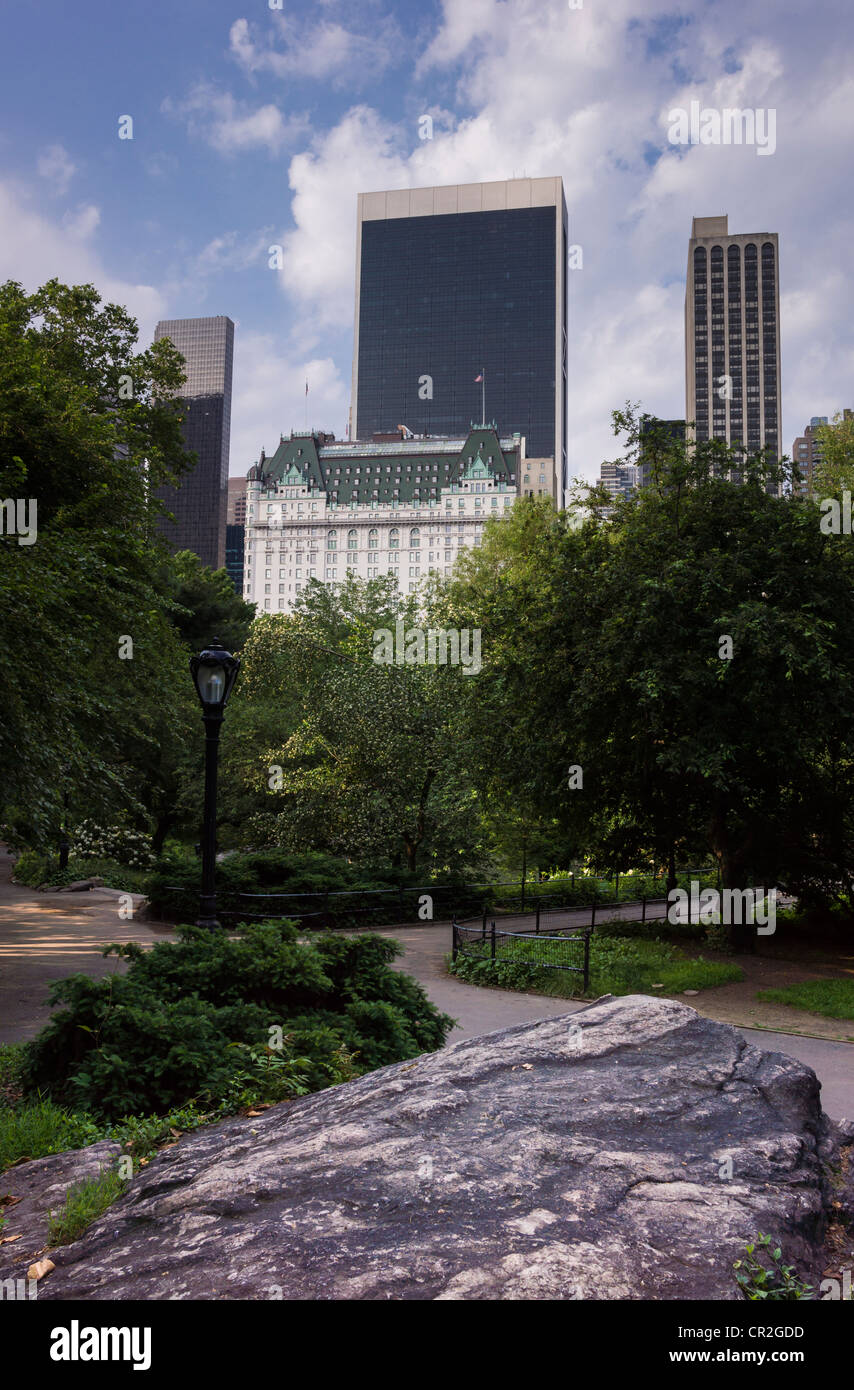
(90, 674)
(204, 604)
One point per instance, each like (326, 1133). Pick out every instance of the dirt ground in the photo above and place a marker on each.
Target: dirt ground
(789, 958)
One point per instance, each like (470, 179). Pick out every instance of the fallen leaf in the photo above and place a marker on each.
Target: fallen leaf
(40, 1269)
(9, 1200)
(7, 1240)
(527, 1066)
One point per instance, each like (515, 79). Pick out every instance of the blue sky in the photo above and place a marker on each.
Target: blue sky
(255, 126)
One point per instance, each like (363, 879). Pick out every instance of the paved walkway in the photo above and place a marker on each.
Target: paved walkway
(485, 1010)
(44, 936)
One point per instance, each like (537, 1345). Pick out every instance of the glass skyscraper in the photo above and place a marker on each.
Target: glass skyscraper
(199, 504)
(454, 283)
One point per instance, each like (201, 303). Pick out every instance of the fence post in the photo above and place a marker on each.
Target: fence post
(483, 932)
(537, 926)
(587, 960)
(593, 915)
(492, 942)
(572, 880)
(454, 940)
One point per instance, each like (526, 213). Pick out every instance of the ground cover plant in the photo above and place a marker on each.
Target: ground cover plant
(833, 998)
(617, 966)
(215, 1019)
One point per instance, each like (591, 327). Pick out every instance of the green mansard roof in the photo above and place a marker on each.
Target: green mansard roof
(426, 466)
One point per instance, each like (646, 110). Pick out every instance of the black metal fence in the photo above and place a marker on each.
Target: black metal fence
(567, 949)
(348, 909)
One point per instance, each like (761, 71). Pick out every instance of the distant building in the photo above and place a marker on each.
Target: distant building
(454, 284)
(235, 531)
(732, 336)
(199, 504)
(236, 513)
(655, 437)
(621, 479)
(807, 452)
(398, 505)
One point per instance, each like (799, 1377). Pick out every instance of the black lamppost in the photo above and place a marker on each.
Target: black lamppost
(214, 672)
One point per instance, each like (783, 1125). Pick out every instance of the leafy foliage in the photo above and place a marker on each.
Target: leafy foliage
(186, 1020)
(760, 1282)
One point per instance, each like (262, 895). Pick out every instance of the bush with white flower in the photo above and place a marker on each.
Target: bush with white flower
(126, 846)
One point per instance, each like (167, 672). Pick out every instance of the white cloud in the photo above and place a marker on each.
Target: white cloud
(230, 126)
(33, 250)
(318, 51)
(81, 223)
(55, 165)
(594, 113)
(269, 396)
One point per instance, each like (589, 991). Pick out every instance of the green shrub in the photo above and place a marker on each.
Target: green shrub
(346, 895)
(772, 1281)
(187, 1019)
(117, 842)
(35, 869)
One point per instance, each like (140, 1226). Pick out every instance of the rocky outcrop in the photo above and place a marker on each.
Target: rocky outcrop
(30, 1191)
(624, 1152)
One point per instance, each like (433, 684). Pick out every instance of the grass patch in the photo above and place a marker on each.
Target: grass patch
(39, 1128)
(84, 1202)
(617, 966)
(833, 998)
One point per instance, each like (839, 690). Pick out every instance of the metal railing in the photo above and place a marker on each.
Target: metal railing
(547, 951)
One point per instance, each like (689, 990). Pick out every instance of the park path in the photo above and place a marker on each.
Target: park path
(44, 936)
(479, 1010)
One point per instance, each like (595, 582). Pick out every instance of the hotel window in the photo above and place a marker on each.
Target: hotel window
(373, 538)
(266, 589)
(332, 540)
(266, 603)
(331, 574)
(352, 540)
(393, 538)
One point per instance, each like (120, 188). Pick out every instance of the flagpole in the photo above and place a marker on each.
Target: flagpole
(306, 403)
(483, 396)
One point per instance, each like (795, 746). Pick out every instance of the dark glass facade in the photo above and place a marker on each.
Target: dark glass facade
(199, 505)
(234, 542)
(442, 297)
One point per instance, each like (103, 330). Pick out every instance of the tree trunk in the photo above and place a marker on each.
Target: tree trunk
(161, 830)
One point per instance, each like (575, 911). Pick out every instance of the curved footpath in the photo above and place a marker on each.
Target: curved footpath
(44, 936)
(480, 1010)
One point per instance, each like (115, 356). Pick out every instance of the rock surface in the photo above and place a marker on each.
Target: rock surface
(39, 1187)
(585, 1156)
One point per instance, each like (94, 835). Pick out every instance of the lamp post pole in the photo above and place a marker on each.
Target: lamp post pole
(207, 903)
(214, 672)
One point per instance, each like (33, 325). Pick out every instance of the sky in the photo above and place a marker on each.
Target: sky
(256, 126)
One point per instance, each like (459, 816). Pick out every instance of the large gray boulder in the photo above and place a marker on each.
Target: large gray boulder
(624, 1152)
